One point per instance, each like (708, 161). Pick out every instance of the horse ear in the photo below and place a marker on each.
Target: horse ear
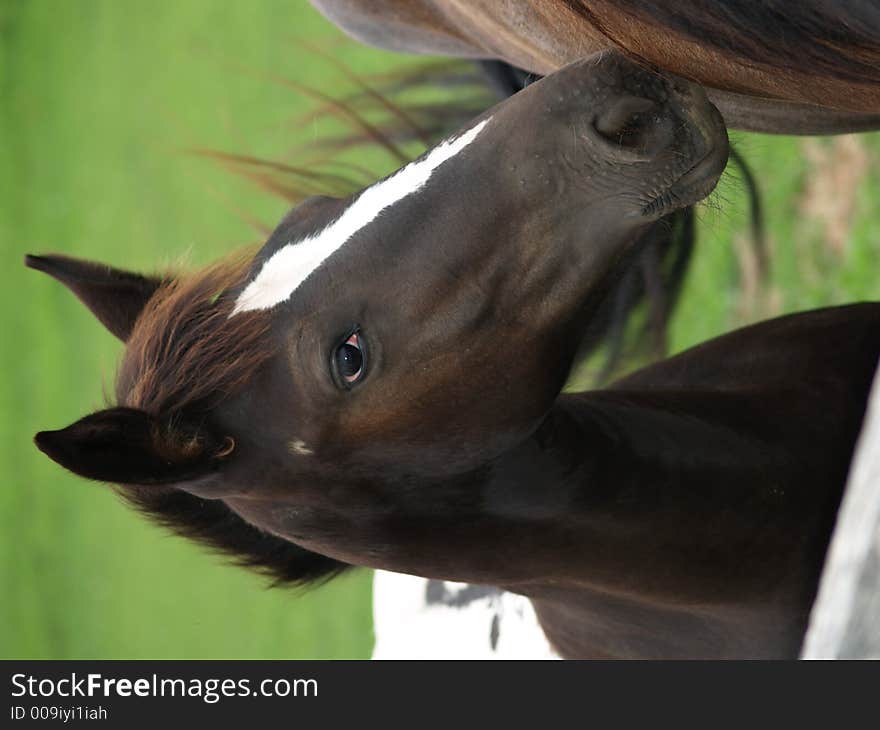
(114, 296)
(128, 446)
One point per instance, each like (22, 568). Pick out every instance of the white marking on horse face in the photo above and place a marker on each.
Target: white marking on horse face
(298, 446)
(293, 263)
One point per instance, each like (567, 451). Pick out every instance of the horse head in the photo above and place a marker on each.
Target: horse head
(352, 381)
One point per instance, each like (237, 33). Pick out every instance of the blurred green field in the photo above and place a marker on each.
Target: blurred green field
(98, 100)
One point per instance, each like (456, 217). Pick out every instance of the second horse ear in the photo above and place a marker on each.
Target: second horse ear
(114, 296)
(128, 446)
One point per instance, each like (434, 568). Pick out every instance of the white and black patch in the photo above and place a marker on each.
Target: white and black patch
(417, 618)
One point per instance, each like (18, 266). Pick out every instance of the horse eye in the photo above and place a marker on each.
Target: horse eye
(349, 359)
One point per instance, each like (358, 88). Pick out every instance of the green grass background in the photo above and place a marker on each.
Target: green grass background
(98, 100)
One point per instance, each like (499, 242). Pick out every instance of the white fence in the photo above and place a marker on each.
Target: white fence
(846, 617)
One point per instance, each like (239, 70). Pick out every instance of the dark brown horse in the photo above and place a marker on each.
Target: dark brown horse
(380, 386)
(806, 67)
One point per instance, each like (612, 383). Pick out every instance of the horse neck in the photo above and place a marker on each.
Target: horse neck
(617, 492)
(632, 516)
(681, 524)
(624, 482)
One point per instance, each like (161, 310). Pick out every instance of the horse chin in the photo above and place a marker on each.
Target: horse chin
(692, 187)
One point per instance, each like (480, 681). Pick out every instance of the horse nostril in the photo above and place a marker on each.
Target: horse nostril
(631, 127)
(624, 115)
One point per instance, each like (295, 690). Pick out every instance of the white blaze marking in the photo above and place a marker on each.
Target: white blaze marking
(298, 446)
(292, 264)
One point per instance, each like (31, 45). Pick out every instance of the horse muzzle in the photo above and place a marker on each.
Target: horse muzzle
(657, 135)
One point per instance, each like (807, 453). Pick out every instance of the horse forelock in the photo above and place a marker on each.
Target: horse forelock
(185, 353)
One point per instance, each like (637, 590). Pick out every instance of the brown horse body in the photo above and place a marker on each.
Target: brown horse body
(810, 67)
(682, 513)
(725, 464)
(380, 386)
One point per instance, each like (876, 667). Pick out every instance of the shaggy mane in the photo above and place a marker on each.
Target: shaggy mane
(837, 40)
(211, 523)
